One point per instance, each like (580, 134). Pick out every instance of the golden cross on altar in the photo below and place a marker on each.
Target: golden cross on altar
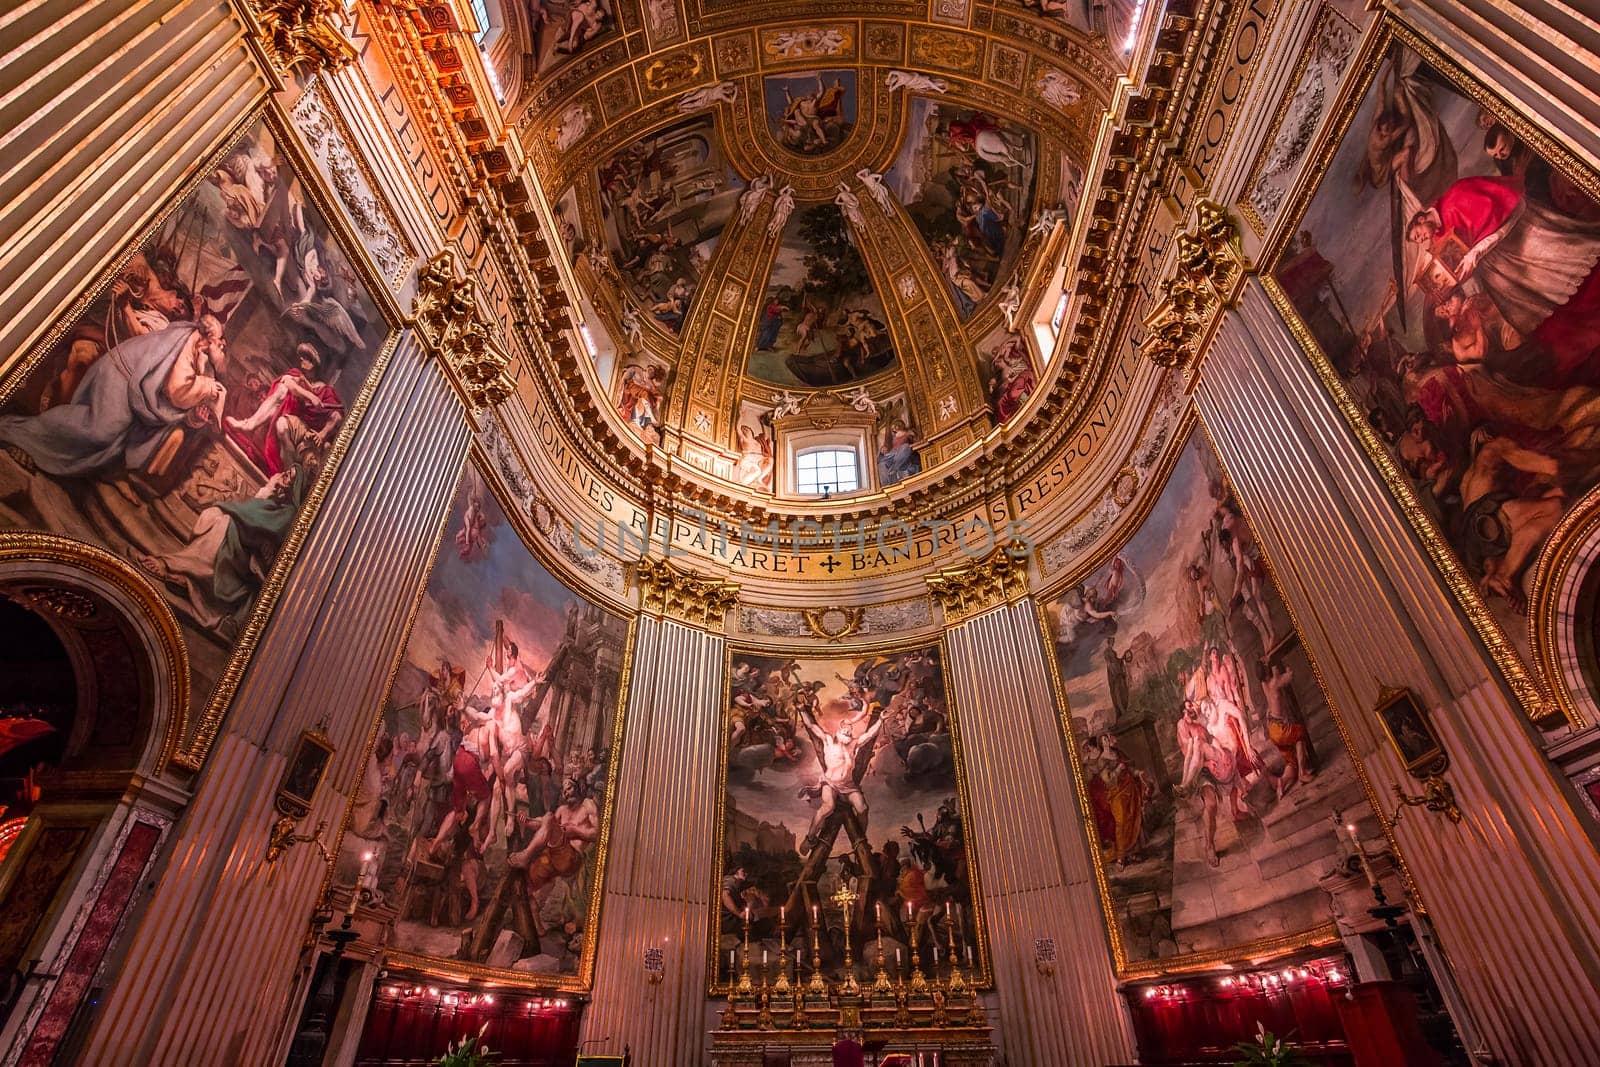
(845, 897)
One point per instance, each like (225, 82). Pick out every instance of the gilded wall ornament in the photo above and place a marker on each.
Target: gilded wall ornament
(1210, 273)
(301, 35)
(834, 624)
(974, 588)
(452, 323)
(675, 593)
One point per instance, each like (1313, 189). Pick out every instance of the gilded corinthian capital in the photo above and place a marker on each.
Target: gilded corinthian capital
(301, 35)
(973, 588)
(1211, 269)
(452, 323)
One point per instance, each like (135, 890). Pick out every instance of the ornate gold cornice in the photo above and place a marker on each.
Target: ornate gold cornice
(973, 588)
(302, 36)
(452, 323)
(1211, 268)
(674, 593)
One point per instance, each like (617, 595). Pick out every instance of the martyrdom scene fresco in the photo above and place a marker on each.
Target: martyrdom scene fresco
(1211, 758)
(966, 178)
(481, 805)
(811, 112)
(1450, 274)
(842, 773)
(666, 199)
(1072, 12)
(184, 415)
(820, 323)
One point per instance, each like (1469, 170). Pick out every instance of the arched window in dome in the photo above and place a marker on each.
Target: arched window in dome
(827, 471)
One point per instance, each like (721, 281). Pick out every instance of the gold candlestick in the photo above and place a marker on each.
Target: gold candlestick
(957, 983)
(781, 986)
(880, 982)
(919, 981)
(816, 986)
(745, 985)
(846, 899)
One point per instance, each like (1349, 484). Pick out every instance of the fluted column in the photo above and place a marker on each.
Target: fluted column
(1037, 875)
(663, 832)
(210, 966)
(104, 109)
(1514, 890)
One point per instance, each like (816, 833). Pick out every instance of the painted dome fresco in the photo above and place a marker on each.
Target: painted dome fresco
(836, 230)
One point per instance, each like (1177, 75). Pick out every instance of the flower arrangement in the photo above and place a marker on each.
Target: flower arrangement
(468, 1052)
(1268, 1051)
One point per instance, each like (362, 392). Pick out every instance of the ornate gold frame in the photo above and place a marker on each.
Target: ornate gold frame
(984, 978)
(459, 969)
(1550, 574)
(204, 725)
(1270, 946)
(1534, 690)
(29, 545)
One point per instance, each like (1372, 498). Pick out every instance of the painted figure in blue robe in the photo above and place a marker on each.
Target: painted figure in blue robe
(119, 416)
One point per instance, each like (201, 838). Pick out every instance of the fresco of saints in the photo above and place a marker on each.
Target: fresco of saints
(1471, 340)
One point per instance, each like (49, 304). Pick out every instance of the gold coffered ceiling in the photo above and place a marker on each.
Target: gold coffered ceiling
(820, 207)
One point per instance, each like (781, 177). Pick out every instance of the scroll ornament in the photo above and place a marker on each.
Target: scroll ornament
(452, 324)
(302, 35)
(1210, 273)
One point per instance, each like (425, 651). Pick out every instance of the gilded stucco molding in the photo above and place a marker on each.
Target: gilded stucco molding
(973, 588)
(301, 36)
(674, 593)
(452, 323)
(1210, 274)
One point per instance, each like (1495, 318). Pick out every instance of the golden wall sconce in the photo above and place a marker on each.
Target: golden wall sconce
(1405, 721)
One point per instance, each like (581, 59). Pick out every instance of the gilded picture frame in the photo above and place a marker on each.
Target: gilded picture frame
(1408, 728)
(1531, 684)
(981, 975)
(457, 970)
(1126, 969)
(303, 774)
(203, 720)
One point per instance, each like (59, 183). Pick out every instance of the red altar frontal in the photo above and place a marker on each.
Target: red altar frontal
(413, 1021)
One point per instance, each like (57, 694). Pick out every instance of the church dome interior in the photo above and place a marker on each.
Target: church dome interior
(923, 533)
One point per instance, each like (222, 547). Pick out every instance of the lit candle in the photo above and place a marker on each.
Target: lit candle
(969, 956)
(747, 913)
(783, 913)
(731, 964)
(936, 956)
(763, 958)
(797, 961)
(897, 959)
(813, 913)
(947, 909)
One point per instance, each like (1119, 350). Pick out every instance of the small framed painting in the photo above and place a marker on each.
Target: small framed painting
(304, 773)
(1406, 723)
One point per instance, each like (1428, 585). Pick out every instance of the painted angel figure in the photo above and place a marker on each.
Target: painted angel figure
(573, 125)
(782, 208)
(632, 326)
(751, 199)
(875, 187)
(905, 79)
(787, 404)
(708, 96)
(861, 400)
(1044, 223)
(1058, 90)
(1011, 303)
(850, 205)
